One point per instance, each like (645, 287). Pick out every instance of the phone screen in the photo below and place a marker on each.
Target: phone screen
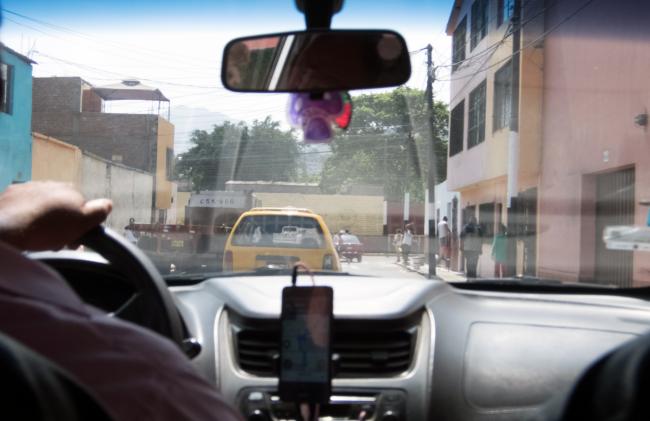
(305, 356)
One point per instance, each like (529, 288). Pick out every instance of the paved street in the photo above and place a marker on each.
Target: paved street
(383, 266)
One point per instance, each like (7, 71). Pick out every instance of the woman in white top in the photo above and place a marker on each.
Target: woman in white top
(407, 242)
(397, 243)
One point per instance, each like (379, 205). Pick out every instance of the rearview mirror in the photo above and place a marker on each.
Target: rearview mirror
(316, 61)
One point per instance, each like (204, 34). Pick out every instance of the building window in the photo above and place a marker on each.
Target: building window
(468, 212)
(456, 129)
(505, 10)
(502, 97)
(479, 22)
(486, 219)
(459, 44)
(169, 164)
(476, 124)
(162, 216)
(6, 89)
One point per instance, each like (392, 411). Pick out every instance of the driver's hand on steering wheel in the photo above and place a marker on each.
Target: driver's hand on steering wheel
(47, 215)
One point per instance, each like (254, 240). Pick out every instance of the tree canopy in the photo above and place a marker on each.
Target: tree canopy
(260, 150)
(387, 144)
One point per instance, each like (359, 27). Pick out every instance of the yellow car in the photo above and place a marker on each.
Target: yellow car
(278, 238)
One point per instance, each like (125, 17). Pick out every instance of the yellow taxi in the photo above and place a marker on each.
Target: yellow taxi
(278, 238)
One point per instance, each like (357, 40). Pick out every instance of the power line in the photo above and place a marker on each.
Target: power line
(531, 43)
(84, 66)
(491, 48)
(128, 56)
(249, 111)
(419, 50)
(480, 69)
(216, 89)
(360, 137)
(151, 52)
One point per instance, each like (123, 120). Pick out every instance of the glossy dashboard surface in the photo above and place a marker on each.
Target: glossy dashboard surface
(479, 355)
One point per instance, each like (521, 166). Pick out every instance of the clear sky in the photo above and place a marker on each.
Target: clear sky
(177, 45)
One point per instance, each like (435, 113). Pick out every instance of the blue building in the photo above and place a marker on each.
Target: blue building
(15, 117)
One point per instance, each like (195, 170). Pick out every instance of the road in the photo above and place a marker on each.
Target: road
(382, 266)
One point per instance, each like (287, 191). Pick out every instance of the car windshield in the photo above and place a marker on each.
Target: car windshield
(278, 231)
(518, 148)
(350, 239)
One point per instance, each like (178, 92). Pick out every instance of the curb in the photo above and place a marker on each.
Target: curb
(424, 274)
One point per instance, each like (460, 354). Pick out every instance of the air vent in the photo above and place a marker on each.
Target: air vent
(257, 350)
(362, 352)
(374, 354)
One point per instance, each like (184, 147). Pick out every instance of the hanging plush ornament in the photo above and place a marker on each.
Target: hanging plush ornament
(316, 115)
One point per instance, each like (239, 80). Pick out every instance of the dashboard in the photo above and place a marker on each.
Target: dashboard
(404, 349)
(410, 349)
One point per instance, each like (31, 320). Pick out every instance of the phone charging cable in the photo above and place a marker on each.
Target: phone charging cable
(309, 411)
(294, 273)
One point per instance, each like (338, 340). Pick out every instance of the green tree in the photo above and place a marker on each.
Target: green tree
(260, 150)
(387, 144)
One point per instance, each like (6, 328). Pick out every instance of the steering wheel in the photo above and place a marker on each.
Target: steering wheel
(151, 305)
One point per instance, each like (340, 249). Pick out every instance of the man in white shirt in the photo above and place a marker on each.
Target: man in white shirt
(134, 373)
(444, 237)
(129, 233)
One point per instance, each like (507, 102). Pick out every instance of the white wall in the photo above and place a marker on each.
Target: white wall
(444, 198)
(172, 212)
(128, 188)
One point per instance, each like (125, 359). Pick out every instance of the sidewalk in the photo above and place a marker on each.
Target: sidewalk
(442, 273)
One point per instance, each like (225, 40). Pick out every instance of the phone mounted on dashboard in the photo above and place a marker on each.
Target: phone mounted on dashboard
(305, 371)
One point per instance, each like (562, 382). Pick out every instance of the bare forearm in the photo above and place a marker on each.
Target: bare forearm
(47, 215)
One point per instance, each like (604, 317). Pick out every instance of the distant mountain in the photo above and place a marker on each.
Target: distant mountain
(187, 119)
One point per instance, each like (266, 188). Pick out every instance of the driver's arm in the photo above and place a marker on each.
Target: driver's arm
(47, 215)
(136, 374)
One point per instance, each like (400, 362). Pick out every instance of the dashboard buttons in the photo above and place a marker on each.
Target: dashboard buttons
(255, 396)
(258, 415)
(390, 415)
(264, 404)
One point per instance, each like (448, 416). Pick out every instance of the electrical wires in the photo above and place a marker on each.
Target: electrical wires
(482, 69)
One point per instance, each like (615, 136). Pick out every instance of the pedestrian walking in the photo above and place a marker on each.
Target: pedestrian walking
(500, 251)
(407, 242)
(130, 233)
(472, 244)
(444, 240)
(337, 239)
(397, 243)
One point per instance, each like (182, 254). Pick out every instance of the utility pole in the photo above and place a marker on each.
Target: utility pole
(405, 182)
(513, 138)
(431, 179)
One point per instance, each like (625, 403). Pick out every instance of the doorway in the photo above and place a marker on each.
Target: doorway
(614, 206)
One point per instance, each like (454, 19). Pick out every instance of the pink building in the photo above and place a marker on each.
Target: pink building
(595, 159)
(482, 94)
(582, 157)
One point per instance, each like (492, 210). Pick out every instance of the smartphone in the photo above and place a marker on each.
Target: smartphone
(305, 347)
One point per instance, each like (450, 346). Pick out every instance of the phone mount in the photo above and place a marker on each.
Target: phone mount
(318, 13)
(336, 358)
(294, 273)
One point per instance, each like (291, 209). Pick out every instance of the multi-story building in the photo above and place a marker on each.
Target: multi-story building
(482, 158)
(15, 117)
(581, 162)
(72, 110)
(595, 168)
